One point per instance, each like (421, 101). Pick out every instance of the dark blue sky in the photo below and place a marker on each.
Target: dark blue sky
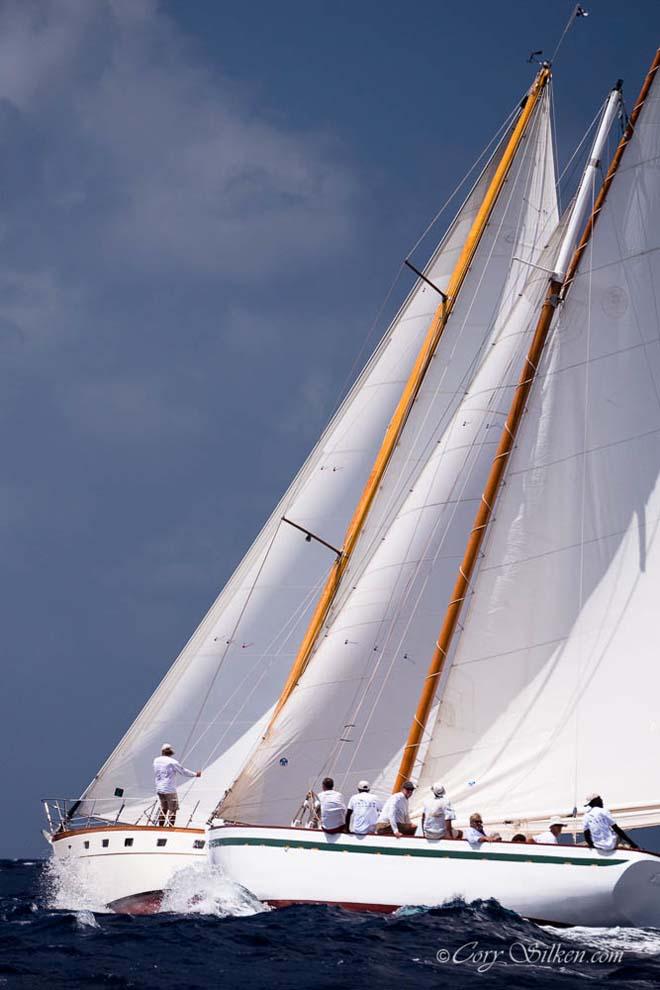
(203, 205)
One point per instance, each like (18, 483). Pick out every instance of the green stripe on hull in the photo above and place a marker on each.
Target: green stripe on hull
(426, 853)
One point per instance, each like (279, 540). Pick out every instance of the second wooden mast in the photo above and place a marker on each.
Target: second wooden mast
(411, 390)
(556, 290)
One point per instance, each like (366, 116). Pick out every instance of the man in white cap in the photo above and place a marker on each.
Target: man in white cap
(438, 816)
(600, 829)
(363, 810)
(166, 769)
(394, 819)
(552, 833)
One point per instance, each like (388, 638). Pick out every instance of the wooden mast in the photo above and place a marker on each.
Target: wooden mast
(556, 289)
(411, 388)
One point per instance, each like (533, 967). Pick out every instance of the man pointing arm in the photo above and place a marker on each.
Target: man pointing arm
(166, 770)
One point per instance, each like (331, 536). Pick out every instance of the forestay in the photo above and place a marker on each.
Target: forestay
(216, 699)
(350, 711)
(546, 698)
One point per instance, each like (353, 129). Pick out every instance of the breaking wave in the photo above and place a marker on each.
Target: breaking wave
(202, 889)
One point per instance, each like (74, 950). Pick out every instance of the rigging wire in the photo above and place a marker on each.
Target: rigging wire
(228, 643)
(555, 142)
(270, 651)
(586, 134)
(577, 12)
(484, 153)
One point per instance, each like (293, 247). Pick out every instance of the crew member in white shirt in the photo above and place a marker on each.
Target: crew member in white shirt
(394, 819)
(438, 816)
(600, 829)
(476, 834)
(331, 807)
(363, 811)
(551, 835)
(166, 770)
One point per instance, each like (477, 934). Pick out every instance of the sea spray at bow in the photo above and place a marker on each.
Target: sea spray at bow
(197, 889)
(64, 886)
(202, 889)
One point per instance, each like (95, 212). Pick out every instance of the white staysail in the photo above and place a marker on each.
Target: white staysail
(544, 701)
(215, 701)
(350, 711)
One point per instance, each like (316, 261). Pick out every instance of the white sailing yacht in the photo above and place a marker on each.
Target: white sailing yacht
(221, 693)
(521, 493)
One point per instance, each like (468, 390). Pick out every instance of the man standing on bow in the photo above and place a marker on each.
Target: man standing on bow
(166, 769)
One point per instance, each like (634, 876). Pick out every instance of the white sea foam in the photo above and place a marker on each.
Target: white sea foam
(85, 919)
(203, 889)
(67, 887)
(642, 940)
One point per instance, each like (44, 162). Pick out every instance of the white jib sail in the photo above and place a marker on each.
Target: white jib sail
(552, 687)
(351, 708)
(217, 697)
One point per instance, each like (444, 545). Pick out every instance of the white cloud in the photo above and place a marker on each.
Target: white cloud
(146, 197)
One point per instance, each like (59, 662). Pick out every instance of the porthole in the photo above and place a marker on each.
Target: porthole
(128, 842)
(86, 843)
(161, 842)
(105, 843)
(199, 843)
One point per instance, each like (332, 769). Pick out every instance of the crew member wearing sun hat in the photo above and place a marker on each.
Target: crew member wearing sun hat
(166, 769)
(438, 815)
(363, 810)
(394, 819)
(600, 829)
(551, 835)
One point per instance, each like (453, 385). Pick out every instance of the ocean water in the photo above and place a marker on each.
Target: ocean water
(215, 934)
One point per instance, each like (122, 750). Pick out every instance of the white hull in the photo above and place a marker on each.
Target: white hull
(128, 867)
(569, 885)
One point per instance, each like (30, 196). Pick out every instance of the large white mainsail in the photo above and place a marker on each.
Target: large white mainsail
(216, 698)
(350, 710)
(544, 699)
